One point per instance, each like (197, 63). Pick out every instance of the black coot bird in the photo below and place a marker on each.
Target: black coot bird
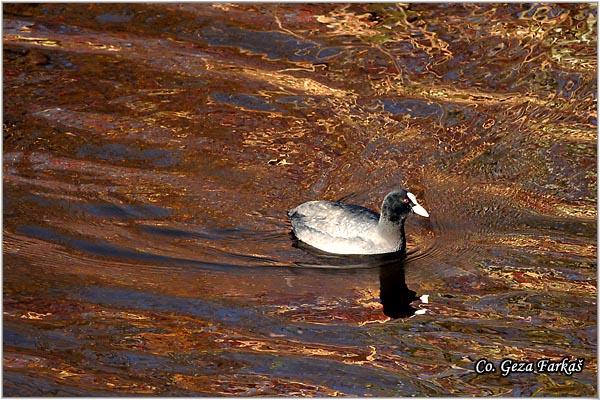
(341, 228)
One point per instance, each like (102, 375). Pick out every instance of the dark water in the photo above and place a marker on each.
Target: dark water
(150, 153)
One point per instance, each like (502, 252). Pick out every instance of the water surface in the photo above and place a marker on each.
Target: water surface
(150, 152)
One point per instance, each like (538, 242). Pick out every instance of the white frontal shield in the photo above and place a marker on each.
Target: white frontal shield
(417, 208)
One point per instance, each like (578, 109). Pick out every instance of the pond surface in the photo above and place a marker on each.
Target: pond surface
(150, 152)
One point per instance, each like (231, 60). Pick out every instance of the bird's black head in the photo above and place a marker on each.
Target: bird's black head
(398, 204)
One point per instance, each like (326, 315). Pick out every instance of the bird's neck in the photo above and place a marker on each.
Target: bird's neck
(393, 232)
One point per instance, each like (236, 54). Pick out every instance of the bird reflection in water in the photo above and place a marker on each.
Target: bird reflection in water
(395, 295)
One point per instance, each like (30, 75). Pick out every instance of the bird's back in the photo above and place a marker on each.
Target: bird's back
(335, 227)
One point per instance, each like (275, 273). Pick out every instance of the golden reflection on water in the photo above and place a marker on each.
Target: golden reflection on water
(151, 150)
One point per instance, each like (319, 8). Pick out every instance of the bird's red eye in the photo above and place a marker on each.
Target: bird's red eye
(406, 200)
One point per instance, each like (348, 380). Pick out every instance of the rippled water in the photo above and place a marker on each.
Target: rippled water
(150, 153)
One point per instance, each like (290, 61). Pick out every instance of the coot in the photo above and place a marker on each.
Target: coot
(340, 228)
